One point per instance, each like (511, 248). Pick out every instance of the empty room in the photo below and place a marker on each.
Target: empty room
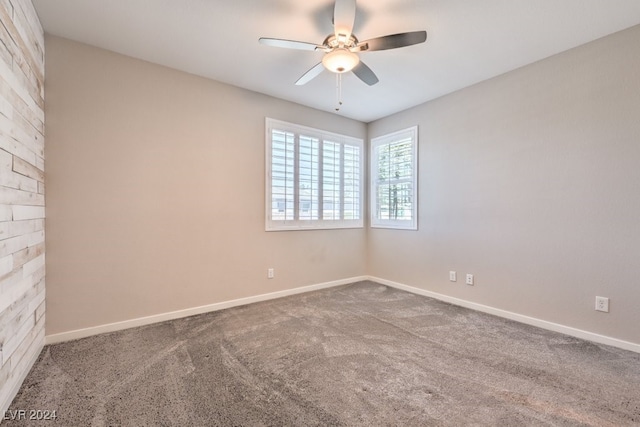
(322, 212)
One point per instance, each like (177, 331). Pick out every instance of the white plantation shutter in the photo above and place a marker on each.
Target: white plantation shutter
(282, 175)
(331, 173)
(394, 180)
(314, 178)
(308, 179)
(352, 173)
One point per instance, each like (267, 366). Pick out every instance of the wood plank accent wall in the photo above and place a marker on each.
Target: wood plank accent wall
(22, 266)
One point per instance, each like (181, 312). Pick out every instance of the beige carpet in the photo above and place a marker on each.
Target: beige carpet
(361, 354)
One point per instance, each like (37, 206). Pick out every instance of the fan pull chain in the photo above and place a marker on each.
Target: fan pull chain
(339, 90)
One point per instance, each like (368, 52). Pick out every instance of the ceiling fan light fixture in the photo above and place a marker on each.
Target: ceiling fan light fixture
(340, 60)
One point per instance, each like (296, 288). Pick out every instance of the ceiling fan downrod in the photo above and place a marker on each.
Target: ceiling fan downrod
(339, 91)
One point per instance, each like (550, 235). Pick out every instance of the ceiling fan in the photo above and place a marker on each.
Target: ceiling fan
(342, 47)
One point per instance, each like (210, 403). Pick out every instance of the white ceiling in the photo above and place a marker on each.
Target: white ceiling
(468, 41)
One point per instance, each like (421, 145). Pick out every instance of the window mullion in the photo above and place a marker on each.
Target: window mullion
(320, 179)
(388, 172)
(296, 178)
(341, 195)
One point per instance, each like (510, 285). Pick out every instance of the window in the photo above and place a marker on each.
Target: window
(314, 178)
(394, 184)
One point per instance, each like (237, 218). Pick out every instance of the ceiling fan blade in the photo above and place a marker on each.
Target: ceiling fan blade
(393, 41)
(344, 16)
(365, 74)
(288, 44)
(311, 74)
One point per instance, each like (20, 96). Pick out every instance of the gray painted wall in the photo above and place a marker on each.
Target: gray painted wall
(155, 182)
(531, 181)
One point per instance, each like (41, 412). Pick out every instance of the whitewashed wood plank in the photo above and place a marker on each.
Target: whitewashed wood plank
(13, 287)
(17, 181)
(38, 278)
(9, 282)
(32, 266)
(5, 228)
(35, 27)
(41, 308)
(6, 160)
(26, 355)
(8, 6)
(14, 244)
(6, 265)
(11, 196)
(24, 93)
(19, 106)
(15, 339)
(5, 53)
(27, 24)
(14, 319)
(27, 137)
(21, 213)
(6, 213)
(6, 109)
(11, 179)
(23, 72)
(17, 287)
(36, 237)
(27, 169)
(21, 49)
(5, 371)
(28, 226)
(13, 316)
(25, 255)
(20, 242)
(17, 149)
(35, 302)
(30, 129)
(30, 28)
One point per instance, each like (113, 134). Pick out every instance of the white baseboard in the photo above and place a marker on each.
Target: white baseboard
(142, 321)
(132, 323)
(567, 330)
(6, 402)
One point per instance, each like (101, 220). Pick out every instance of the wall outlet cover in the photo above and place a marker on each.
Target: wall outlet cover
(602, 304)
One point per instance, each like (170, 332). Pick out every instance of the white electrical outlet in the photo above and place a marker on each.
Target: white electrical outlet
(469, 279)
(602, 304)
(270, 273)
(452, 276)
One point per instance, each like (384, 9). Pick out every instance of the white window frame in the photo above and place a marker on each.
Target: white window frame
(385, 140)
(323, 137)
